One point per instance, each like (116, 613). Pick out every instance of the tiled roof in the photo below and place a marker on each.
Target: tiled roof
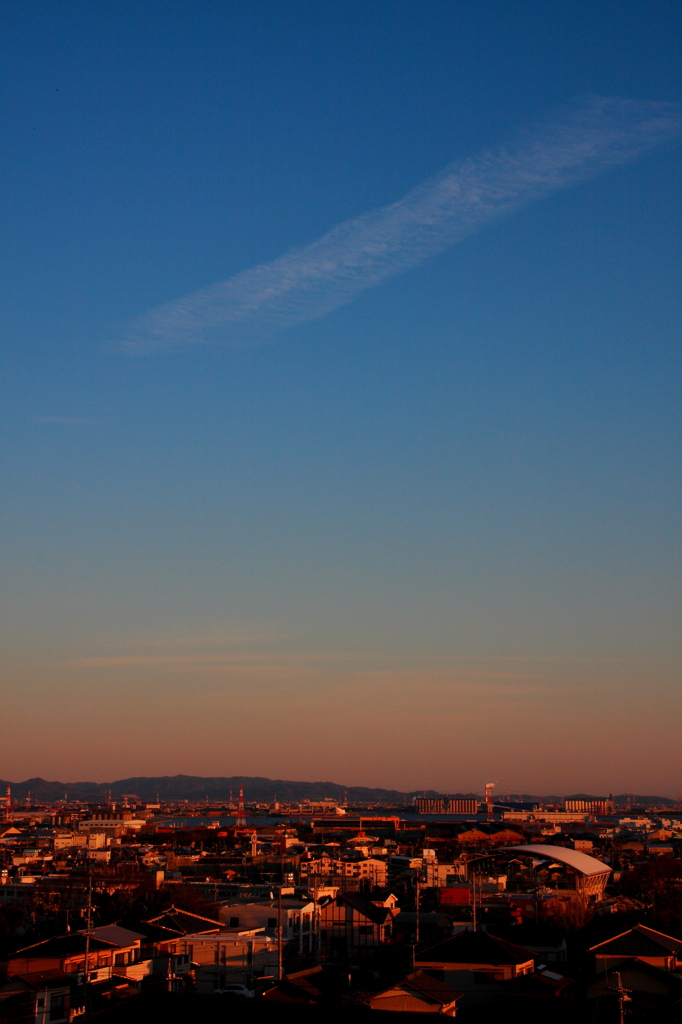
(116, 981)
(475, 948)
(118, 934)
(42, 979)
(288, 903)
(639, 941)
(435, 991)
(311, 985)
(364, 906)
(630, 967)
(151, 932)
(183, 922)
(540, 983)
(60, 946)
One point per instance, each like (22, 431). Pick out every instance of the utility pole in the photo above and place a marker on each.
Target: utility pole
(417, 894)
(88, 932)
(623, 998)
(280, 972)
(312, 944)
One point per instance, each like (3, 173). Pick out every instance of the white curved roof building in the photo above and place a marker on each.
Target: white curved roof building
(581, 862)
(587, 875)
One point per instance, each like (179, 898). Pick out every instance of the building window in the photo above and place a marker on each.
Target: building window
(272, 922)
(234, 922)
(57, 1007)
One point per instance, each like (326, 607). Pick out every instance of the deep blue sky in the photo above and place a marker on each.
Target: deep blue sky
(443, 519)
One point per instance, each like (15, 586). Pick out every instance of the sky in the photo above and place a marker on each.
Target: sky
(340, 403)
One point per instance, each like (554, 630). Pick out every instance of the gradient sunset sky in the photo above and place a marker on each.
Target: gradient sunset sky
(341, 392)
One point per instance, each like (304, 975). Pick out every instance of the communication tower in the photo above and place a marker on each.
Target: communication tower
(241, 810)
(489, 787)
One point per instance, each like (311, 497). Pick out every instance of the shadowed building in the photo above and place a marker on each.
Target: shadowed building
(645, 944)
(477, 964)
(419, 992)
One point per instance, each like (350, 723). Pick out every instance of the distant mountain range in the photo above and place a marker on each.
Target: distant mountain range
(195, 788)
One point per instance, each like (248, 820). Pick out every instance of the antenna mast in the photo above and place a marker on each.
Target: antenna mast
(241, 810)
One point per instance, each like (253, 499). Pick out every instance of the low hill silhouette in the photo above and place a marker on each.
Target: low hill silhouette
(257, 789)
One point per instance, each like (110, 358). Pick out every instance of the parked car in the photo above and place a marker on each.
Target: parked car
(235, 990)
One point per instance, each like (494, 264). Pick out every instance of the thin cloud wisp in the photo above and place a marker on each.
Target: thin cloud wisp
(309, 282)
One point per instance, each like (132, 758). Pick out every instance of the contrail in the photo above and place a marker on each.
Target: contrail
(306, 283)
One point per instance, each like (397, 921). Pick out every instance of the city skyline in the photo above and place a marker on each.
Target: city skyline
(256, 790)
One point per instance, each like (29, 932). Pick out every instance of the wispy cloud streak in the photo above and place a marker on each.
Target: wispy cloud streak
(72, 421)
(307, 283)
